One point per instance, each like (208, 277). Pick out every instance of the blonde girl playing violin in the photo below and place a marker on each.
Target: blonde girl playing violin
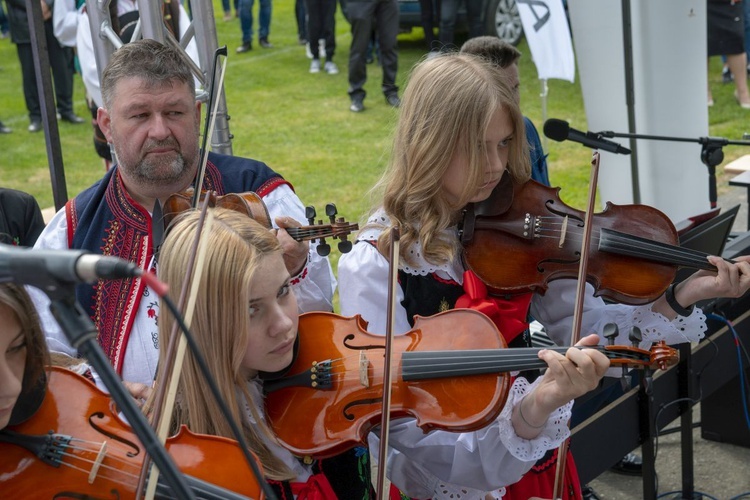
(460, 130)
(245, 323)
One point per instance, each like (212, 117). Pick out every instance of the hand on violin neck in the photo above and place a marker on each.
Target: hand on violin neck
(295, 252)
(729, 280)
(566, 378)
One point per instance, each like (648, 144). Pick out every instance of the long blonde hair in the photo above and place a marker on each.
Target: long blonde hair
(220, 324)
(446, 108)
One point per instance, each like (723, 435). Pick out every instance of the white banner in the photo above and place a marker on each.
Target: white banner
(546, 28)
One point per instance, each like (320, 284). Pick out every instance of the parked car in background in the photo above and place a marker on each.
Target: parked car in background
(500, 18)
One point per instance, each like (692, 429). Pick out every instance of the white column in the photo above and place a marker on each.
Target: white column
(670, 75)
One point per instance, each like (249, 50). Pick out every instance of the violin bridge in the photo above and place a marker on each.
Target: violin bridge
(98, 462)
(364, 365)
(563, 230)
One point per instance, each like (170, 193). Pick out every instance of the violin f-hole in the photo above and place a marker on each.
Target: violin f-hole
(100, 416)
(359, 348)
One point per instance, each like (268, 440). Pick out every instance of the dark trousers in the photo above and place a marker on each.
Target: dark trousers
(362, 13)
(430, 11)
(448, 11)
(321, 23)
(61, 61)
(300, 13)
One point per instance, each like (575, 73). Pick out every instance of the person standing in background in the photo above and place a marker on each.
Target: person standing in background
(4, 27)
(429, 11)
(726, 35)
(321, 24)
(361, 15)
(246, 24)
(448, 13)
(228, 10)
(60, 58)
(300, 15)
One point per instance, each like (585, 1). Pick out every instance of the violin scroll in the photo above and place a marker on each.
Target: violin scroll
(659, 356)
(251, 204)
(337, 228)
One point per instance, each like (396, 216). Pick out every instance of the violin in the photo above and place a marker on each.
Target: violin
(77, 440)
(451, 372)
(251, 204)
(524, 236)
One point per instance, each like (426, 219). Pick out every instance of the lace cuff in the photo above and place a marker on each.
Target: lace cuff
(450, 491)
(655, 327)
(553, 434)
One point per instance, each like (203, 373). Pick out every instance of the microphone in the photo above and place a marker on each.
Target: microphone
(559, 130)
(48, 269)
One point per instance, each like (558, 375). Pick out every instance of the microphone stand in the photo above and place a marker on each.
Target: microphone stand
(81, 334)
(711, 153)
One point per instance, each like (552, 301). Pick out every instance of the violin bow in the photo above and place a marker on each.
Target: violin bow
(575, 336)
(388, 355)
(213, 107)
(170, 375)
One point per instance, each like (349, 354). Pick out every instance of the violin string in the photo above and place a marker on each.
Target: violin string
(529, 356)
(119, 470)
(111, 457)
(494, 361)
(319, 231)
(104, 468)
(653, 250)
(635, 243)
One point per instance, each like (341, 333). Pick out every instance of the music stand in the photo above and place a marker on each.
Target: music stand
(709, 237)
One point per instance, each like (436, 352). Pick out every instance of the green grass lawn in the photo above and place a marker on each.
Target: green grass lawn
(299, 123)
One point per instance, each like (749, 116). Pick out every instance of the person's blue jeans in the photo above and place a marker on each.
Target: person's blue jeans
(448, 12)
(226, 4)
(246, 19)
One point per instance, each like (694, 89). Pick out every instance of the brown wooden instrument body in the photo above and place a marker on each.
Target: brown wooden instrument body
(326, 422)
(248, 203)
(251, 204)
(512, 241)
(450, 372)
(75, 407)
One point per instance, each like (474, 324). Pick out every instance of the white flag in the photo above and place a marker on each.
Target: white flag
(546, 28)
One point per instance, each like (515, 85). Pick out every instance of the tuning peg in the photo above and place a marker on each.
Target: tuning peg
(345, 246)
(635, 336)
(625, 380)
(310, 214)
(648, 382)
(610, 332)
(323, 248)
(331, 212)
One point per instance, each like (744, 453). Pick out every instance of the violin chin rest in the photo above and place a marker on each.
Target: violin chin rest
(277, 375)
(32, 395)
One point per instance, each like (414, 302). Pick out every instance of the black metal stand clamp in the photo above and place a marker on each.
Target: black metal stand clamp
(711, 153)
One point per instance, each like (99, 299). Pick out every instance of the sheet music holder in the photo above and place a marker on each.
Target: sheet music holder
(709, 237)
